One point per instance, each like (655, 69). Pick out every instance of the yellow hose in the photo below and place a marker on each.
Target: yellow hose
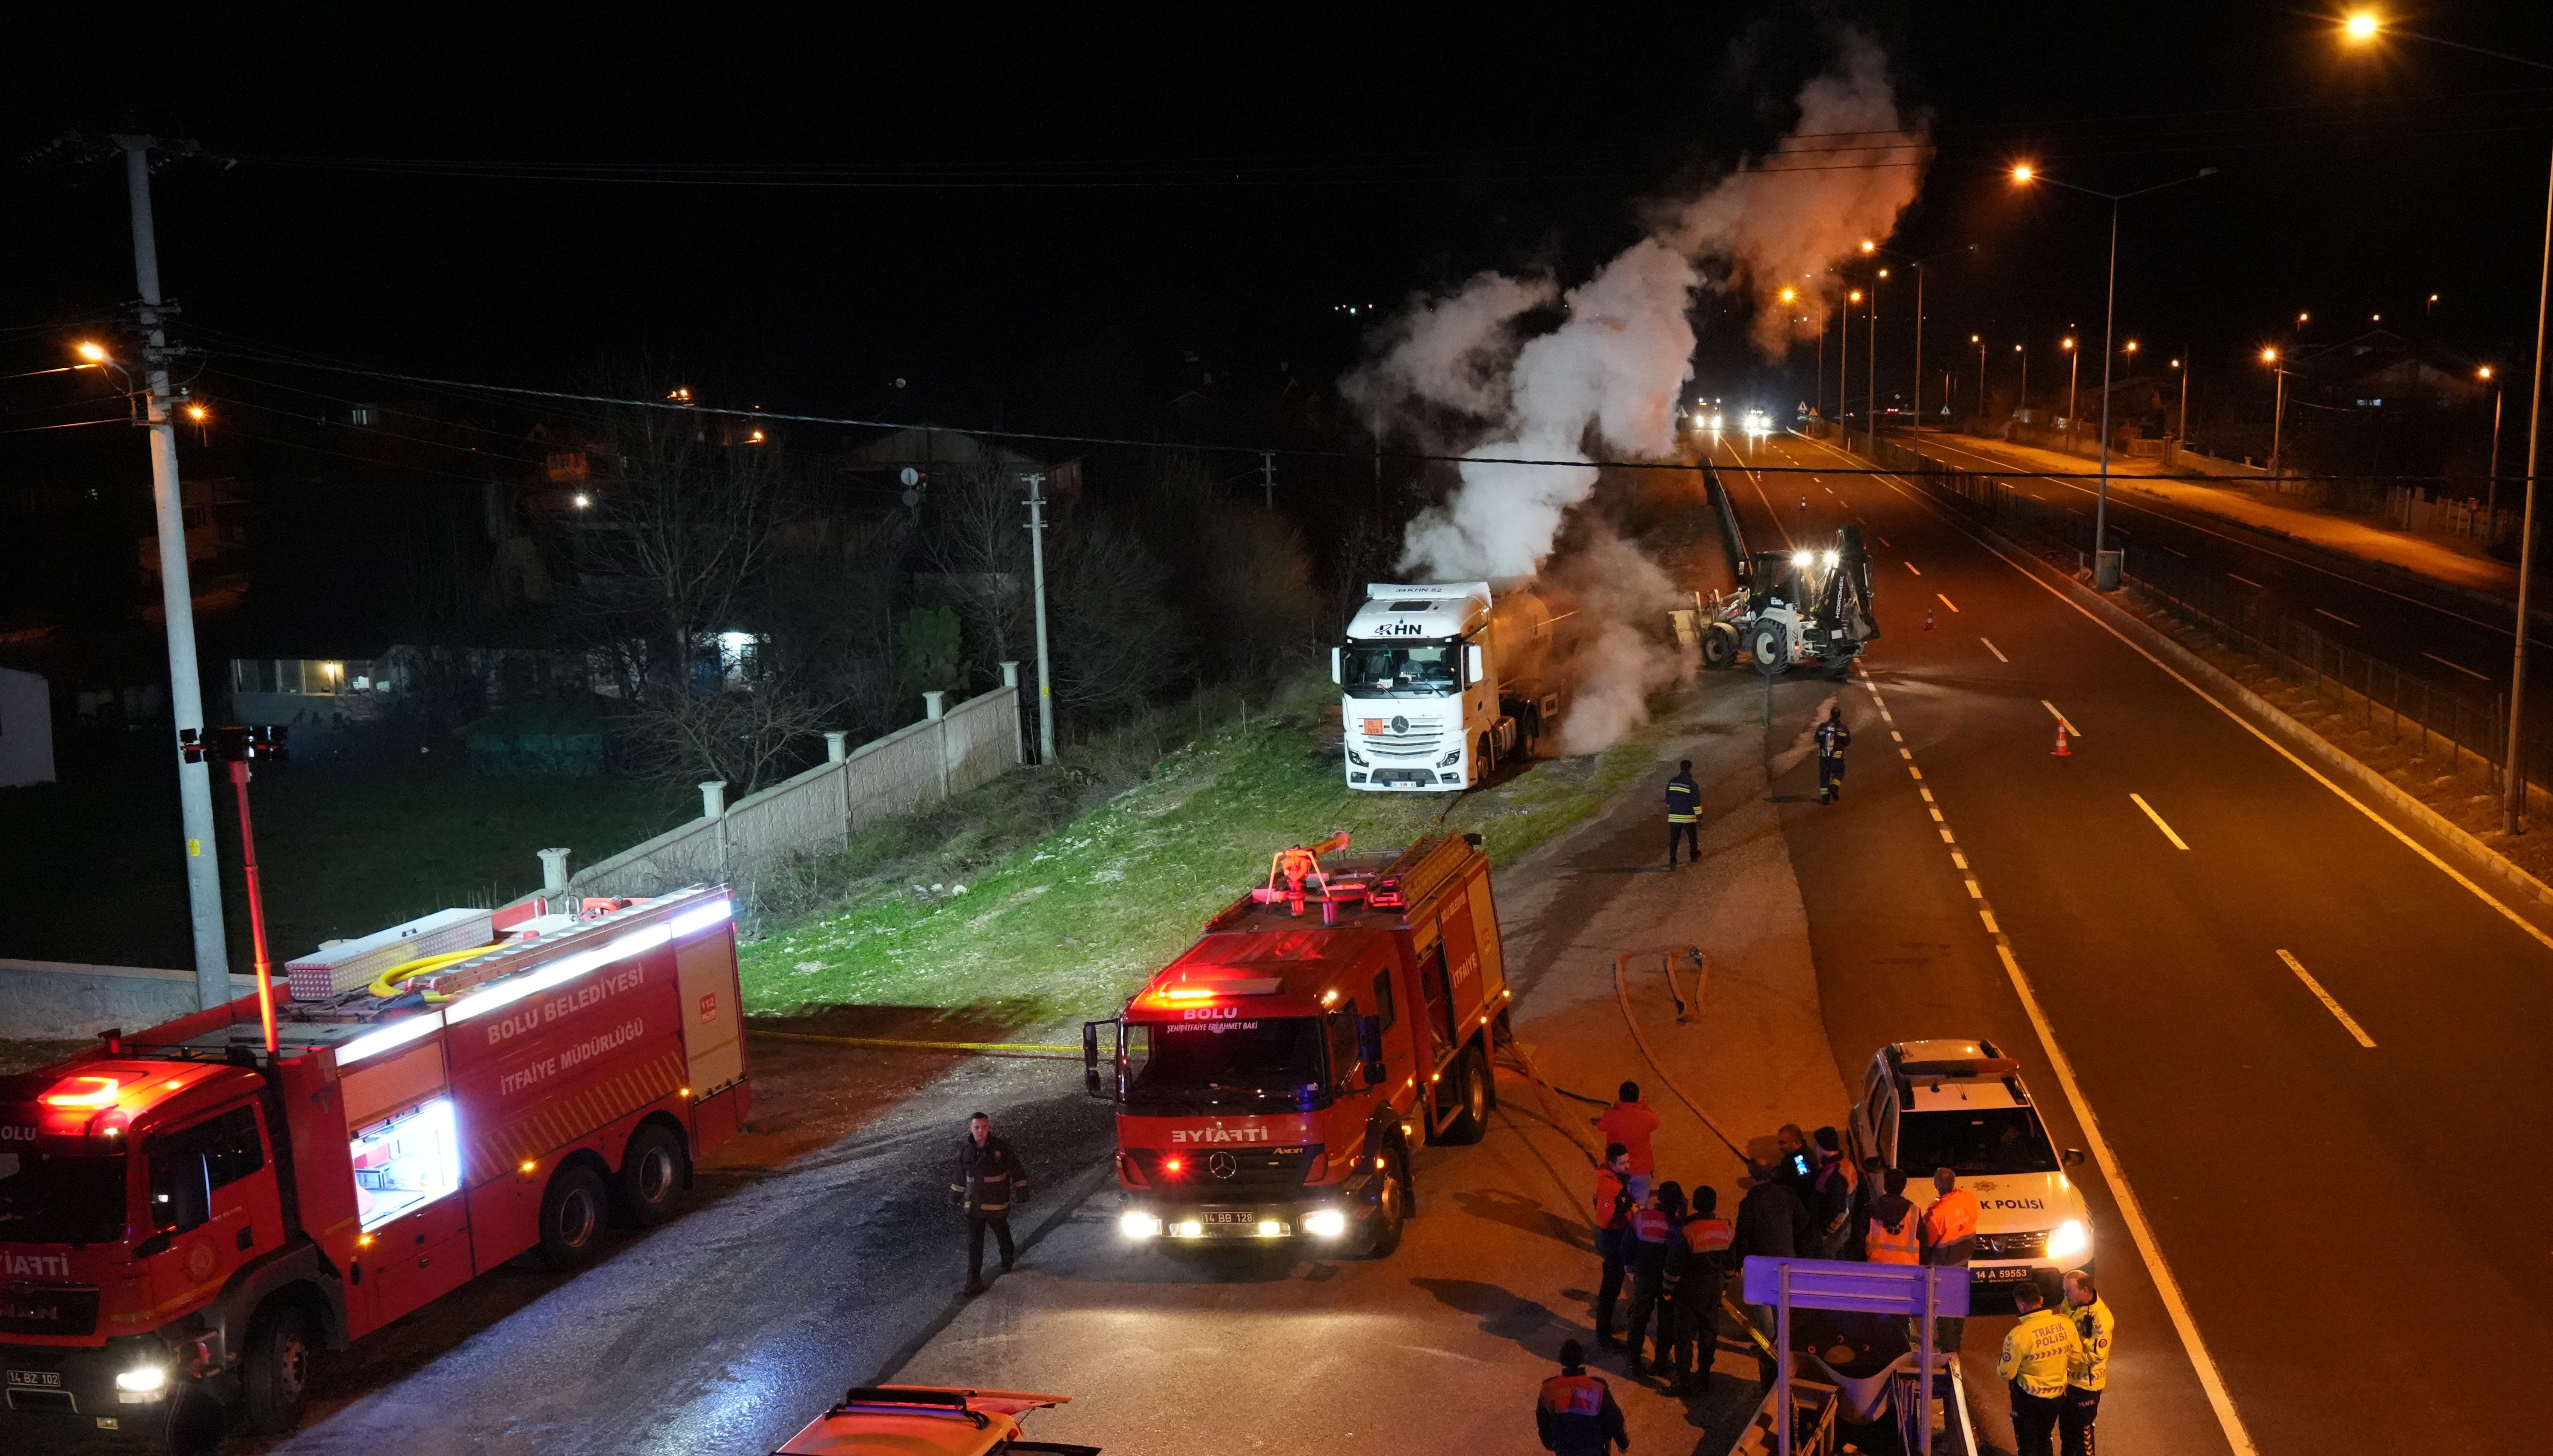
(389, 982)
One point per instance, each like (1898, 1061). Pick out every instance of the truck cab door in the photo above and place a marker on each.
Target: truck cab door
(213, 1199)
(1108, 1083)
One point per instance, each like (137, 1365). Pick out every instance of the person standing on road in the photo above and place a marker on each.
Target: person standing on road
(1832, 739)
(1794, 1166)
(1632, 1123)
(1653, 1233)
(991, 1181)
(1772, 1222)
(1951, 1237)
(1894, 1235)
(1684, 814)
(1613, 1207)
(2038, 1356)
(1697, 1273)
(1831, 1193)
(2084, 1383)
(1575, 1413)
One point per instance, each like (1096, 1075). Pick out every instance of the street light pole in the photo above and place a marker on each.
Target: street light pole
(1844, 361)
(1037, 572)
(2278, 412)
(2183, 362)
(1980, 342)
(1870, 366)
(2491, 478)
(2073, 371)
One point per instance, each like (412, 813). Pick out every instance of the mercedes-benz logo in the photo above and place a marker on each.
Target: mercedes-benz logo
(1399, 724)
(1222, 1164)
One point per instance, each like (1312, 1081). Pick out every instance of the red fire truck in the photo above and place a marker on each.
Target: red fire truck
(1269, 1079)
(185, 1220)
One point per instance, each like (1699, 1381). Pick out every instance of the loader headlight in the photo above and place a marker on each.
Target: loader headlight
(2070, 1239)
(1135, 1223)
(1832, 559)
(1325, 1223)
(1803, 558)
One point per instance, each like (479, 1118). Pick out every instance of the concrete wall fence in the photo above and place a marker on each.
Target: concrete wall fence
(50, 1000)
(952, 750)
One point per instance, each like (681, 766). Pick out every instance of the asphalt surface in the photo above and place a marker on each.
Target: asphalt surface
(2340, 1220)
(2456, 640)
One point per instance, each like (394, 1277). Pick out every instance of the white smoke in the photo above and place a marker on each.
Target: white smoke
(1610, 374)
(1618, 665)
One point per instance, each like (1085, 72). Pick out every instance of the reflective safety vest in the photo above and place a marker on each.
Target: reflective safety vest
(1573, 1395)
(1953, 1218)
(1902, 1245)
(1708, 1235)
(1651, 1225)
(1609, 1199)
(2092, 1327)
(2040, 1353)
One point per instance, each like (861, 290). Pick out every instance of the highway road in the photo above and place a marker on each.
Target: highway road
(2311, 1053)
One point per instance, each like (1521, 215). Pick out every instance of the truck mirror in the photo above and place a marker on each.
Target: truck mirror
(1369, 1049)
(1091, 1059)
(2073, 1156)
(1476, 663)
(1338, 674)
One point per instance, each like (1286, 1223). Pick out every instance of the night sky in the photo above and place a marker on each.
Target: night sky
(1040, 220)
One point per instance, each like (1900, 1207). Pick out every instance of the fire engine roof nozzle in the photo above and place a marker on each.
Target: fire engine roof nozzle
(1337, 840)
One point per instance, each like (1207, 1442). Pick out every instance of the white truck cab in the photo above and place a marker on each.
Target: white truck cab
(1961, 1106)
(1437, 685)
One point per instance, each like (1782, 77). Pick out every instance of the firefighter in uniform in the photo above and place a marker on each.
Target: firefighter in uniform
(1832, 739)
(2083, 1386)
(990, 1181)
(1684, 814)
(1696, 1272)
(1611, 1207)
(2038, 1357)
(1574, 1415)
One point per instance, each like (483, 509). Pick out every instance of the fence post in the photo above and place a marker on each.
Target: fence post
(935, 710)
(713, 806)
(553, 870)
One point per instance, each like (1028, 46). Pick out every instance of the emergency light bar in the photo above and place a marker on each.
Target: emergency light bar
(84, 1090)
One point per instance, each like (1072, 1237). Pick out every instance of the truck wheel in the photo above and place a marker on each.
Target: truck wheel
(651, 1178)
(1485, 761)
(1471, 1120)
(275, 1370)
(1771, 646)
(1720, 645)
(572, 1213)
(1391, 1210)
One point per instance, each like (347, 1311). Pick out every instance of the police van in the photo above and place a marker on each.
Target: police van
(1961, 1106)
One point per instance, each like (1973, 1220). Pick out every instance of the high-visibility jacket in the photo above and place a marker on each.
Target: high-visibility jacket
(1952, 1219)
(1708, 1235)
(1631, 1124)
(1832, 739)
(1684, 801)
(1900, 1245)
(2040, 1353)
(1651, 1225)
(1612, 1201)
(1576, 1414)
(2092, 1327)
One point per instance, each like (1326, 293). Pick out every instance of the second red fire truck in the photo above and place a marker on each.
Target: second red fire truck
(1270, 1080)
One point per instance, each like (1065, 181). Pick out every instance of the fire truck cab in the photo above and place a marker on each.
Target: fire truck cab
(1270, 1081)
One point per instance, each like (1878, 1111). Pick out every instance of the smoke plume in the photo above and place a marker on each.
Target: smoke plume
(1619, 665)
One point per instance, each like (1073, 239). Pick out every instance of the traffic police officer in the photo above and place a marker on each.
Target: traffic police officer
(1684, 814)
(1574, 1415)
(990, 1179)
(1832, 739)
(2083, 1385)
(2038, 1356)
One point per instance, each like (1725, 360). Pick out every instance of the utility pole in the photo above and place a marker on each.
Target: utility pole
(1268, 476)
(176, 594)
(1870, 366)
(1037, 573)
(1919, 351)
(1844, 362)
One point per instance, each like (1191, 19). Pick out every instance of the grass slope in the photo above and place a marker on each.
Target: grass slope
(1071, 923)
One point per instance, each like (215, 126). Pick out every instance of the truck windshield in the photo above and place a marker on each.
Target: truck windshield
(1992, 1140)
(1406, 671)
(1271, 1065)
(57, 1198)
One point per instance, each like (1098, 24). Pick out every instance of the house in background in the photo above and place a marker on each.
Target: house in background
(298, 690)
(26, 730)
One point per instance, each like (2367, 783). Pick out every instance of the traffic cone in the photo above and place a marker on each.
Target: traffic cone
(2062, 750)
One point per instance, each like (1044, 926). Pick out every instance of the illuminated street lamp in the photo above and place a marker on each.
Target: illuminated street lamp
(1980, 342)
(2103, 575)
(2181, 427)
(2279, 411)
(2074, 369)
(2364, 27)
(2490, 482)
(93, 353)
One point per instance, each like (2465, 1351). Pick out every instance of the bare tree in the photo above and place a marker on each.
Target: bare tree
(978, 544)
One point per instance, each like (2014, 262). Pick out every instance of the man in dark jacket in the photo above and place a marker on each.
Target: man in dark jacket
(1696, 1272)
(1575, 1413)
(1653, 1233)
(1832, 739)
(1684, 814)
(991, 1181)
(1832, 1196)
(1771, 1221)
(1611, 1207)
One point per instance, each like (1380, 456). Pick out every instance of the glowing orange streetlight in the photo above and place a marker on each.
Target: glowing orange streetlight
(198, 414)
(2024, 172)
(2359, 26)
(91, 352)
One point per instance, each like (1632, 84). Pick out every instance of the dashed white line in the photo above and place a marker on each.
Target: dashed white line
(2183, 555)
(2247, 581)
(2328, 1004)
(2071, 731)
(2176, 842)
(1947, 602)
(1911, 566)
(2336, 616)
(2458, 666)
(1997, 651)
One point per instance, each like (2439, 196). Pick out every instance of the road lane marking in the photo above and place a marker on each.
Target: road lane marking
(1960, 859)
(1905, 753)
(1894, 734)
(1947, 602)
(2071, 731)
(2120, 530)
(1975, 892)
(2158, 820)
(2247, 581)
(1911, 566)
(2458, 666)
(2210, 1379)
(1997, 651)
(2336, 616)
(2183, 555)
(2328, 1004)
(1883, 540)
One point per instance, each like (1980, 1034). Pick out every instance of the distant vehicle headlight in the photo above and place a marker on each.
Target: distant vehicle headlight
(1325, 1223)
(2070, 1239)
(1135, 1223)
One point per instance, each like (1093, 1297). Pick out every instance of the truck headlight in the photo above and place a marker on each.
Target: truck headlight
(1325, 1223)
(2070, 1239)
(149, 1379)
(1356, 759)
(1449, 760)
(1135, 1223)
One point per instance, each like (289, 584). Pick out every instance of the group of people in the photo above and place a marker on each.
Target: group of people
(1809, 1201)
